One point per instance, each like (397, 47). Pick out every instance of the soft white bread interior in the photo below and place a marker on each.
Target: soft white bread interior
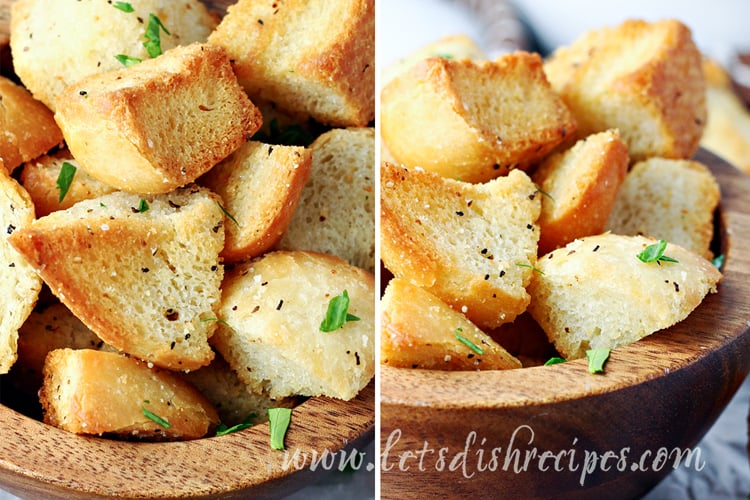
(160, 124)
(270, 334)
(572, 296)
(336, 212)
(105, 393)
(472, 245)
(55, 44)
(667, 199)
(260, 185)
(19, 284)
(418, 330)
(142, 273)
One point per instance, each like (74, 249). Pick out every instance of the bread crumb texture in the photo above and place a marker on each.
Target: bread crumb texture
(145, 282)
(596, 293)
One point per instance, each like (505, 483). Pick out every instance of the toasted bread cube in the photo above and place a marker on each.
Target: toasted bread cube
(47, 329)
(142, 273)
(159, 124)
(272, 309)
(105, 393)
(27, 127)
(39, 178)
(56, 44)
(19, 283)
(643, 78)
(336, 212)
(668, 199)
(315, 56)
(451, 47)
(260, 186)
(580, 186)
(421, 331)
(472, 245)
(233, 400)
(572, 296)
(462, 118)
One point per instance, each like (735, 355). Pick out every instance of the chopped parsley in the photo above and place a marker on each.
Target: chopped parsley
(222, 429)
(127, 60)
(123, 6)
(218, 320)
(468, 343)
(533, 268)
(156, 418)
(226, 212)
(153, 35)
(444, 56)
(337, 313)
(555, 360)
(597, 358)
(718, 261)
(64, 179)
(143, 206)
(278, 423)
(655, 253)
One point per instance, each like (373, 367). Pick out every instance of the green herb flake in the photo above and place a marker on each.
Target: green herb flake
(337, 314)
(468, 343)
(156, 418)
(127, 61)
(597, 358)
(533, 268)
(226, 212)
(718, 261)
(218, 320)
(143, 206)
(153, 35)
(278, 423)
(655, 253)
(123, 6)
(222, 429)
(64, 179)
(444, 55)
(555, 360)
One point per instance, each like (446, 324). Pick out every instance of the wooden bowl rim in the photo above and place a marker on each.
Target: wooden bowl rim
(36, 457)
(402, 388)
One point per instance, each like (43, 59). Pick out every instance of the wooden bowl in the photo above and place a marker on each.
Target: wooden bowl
(463, 434)
(41, 461)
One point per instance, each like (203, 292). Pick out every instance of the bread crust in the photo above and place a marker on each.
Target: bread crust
(19, 283)
(311, 56)
(27, 127)
(580, 186)
(272, 308)
(160, 124)
(55, 44)
(459, 118)
(104, 393)
(144, 282)
(643, 78)
(472, 245)
(418, 330)
(572, 296)
(260, 185)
